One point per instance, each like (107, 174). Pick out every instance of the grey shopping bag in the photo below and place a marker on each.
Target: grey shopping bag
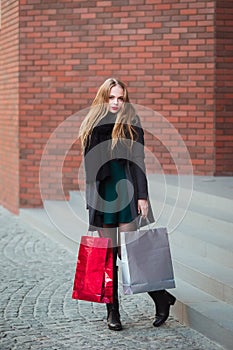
(146, 261)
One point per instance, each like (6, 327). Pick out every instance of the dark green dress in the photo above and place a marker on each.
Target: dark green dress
(119, 210)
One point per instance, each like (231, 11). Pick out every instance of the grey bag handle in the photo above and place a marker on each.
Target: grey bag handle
(140, 222)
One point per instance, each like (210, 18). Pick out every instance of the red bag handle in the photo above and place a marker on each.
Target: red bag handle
(101, 233)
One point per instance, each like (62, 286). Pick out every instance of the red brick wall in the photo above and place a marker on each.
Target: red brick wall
(9, 70)
(163, 50)
(224, 88)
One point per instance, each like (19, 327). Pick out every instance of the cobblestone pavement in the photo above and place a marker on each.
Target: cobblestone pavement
(37, 311)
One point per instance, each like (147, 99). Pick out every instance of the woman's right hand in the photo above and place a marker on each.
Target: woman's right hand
(143, 207)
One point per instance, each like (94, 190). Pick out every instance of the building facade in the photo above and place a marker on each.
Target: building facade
(176, 57)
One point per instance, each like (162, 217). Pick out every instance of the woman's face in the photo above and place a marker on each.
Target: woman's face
(116, 98)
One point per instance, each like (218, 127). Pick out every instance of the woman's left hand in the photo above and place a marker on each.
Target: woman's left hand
(143, 207)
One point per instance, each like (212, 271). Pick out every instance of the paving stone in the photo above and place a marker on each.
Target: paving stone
(37, 311)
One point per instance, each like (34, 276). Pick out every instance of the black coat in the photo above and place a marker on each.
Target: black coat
(97, 157)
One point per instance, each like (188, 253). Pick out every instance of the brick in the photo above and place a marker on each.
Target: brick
(224, 95)
(9, 170)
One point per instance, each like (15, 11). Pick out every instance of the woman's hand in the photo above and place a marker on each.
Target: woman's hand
(143, 207)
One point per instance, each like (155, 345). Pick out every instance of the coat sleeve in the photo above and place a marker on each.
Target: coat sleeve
(138, 163)
(90, 159)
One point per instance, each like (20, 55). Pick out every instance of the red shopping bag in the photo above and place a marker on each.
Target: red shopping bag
(94, 270)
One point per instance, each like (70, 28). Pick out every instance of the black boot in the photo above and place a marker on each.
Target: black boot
(163, 300)
(113, 316)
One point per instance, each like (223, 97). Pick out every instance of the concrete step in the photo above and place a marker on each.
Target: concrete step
(204, 274)
(173, 217)
(65, 230)
(204, 243)
(189, 195)
(204, 313)
(78, 200)
(201, 237)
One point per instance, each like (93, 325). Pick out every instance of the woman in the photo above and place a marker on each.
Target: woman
(116, 185)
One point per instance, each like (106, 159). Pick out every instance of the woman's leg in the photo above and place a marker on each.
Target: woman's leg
(125, 227)
(163, 300)
(113, 316)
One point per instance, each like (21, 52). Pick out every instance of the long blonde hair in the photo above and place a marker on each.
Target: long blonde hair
(99, 109)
